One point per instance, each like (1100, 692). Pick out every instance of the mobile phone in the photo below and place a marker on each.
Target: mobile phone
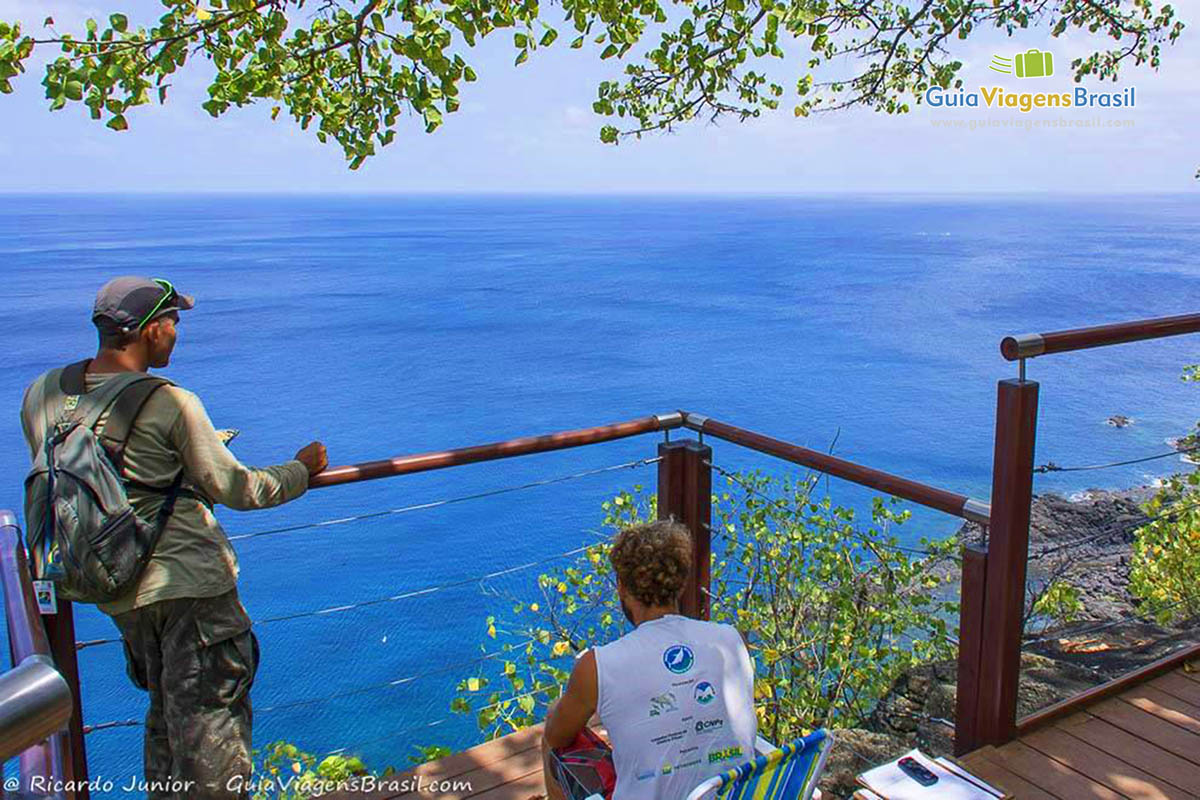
(917, 771)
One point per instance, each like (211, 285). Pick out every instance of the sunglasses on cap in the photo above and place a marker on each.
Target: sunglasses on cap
(169, 294)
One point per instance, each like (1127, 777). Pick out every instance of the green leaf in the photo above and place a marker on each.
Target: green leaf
(548, 37)
(522, 57)
(119, 22)
(118, 123)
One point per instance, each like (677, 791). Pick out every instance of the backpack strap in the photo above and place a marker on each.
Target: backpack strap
(122, 414)
(65, 397)
(168, 507)
(122, 396)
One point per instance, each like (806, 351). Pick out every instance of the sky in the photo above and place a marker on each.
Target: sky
(531, 129)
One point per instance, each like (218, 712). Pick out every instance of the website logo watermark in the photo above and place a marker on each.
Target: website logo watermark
(1024, 102)
(1032, 63)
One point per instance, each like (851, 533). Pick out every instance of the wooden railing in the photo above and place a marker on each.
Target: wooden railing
(993, 578)
(684, 493)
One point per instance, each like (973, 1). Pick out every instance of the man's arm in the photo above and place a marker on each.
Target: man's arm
(568, 716)
(209, 464)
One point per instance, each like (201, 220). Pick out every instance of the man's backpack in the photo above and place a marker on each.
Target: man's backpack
(82, 531)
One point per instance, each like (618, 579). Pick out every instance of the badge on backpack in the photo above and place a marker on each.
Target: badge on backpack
(47, 599)
(71, 402)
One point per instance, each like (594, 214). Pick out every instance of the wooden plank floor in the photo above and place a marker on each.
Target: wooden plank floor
(1143, 744)
(509, 768)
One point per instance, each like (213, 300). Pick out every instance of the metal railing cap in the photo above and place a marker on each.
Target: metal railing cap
(977, 511)
(1025, 345)
(673, 419)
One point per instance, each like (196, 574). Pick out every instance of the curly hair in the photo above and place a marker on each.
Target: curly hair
(653, 561)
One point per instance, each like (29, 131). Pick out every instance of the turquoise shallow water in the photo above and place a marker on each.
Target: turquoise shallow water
(393, 325)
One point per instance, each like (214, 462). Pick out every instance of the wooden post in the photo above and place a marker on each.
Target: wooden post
(1007, 559)
(970, 648)
(685, 494)
(60, 630)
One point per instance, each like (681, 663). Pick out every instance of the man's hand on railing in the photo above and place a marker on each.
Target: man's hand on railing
(314, 457)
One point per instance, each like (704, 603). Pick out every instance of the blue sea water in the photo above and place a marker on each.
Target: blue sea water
(392, 325)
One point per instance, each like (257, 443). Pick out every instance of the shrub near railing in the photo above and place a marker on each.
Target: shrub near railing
(1165, 569)
(834, 611)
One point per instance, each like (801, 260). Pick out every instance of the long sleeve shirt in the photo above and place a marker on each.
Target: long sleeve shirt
(173, 431)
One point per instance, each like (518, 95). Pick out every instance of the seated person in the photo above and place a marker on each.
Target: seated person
(675, 694)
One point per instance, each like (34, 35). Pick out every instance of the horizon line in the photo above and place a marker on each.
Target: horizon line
(874, 193)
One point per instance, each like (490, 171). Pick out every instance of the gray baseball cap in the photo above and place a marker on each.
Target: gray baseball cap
(127, 303)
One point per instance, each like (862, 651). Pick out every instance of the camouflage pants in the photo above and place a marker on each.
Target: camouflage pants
(197, 658)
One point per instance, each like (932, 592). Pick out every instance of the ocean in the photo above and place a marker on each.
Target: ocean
(392, 325)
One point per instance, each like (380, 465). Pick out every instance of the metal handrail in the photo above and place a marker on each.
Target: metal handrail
(35, 700)
(1029, 345)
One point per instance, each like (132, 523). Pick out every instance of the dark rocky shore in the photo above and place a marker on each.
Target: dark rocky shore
(1085, 541)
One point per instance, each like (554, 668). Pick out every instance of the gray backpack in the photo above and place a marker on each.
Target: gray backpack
(82, 532)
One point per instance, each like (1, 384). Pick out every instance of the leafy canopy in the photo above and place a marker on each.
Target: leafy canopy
(355, 67)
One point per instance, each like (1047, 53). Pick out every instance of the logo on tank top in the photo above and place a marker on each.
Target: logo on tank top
(704, 693)
(727, 754)
(663, 704)
(678, 658)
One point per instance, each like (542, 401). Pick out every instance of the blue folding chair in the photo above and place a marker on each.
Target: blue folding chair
(789, 773)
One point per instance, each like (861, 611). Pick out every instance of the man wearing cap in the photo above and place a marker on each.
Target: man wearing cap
(187, 637)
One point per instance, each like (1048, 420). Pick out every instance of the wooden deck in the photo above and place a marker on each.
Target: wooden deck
(1143, 744)
(1140, 744)
(509, 768)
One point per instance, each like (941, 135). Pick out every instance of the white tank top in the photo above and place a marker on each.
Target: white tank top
(677, 698)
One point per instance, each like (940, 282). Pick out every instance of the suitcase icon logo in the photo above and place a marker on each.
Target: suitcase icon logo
(1032, 63)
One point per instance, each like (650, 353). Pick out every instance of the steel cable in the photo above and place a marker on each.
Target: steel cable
(419, 507)
(1050, 466)
(389, 684)
(1113, 531)
(778, 503)
(388, 599)
(439, 503)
